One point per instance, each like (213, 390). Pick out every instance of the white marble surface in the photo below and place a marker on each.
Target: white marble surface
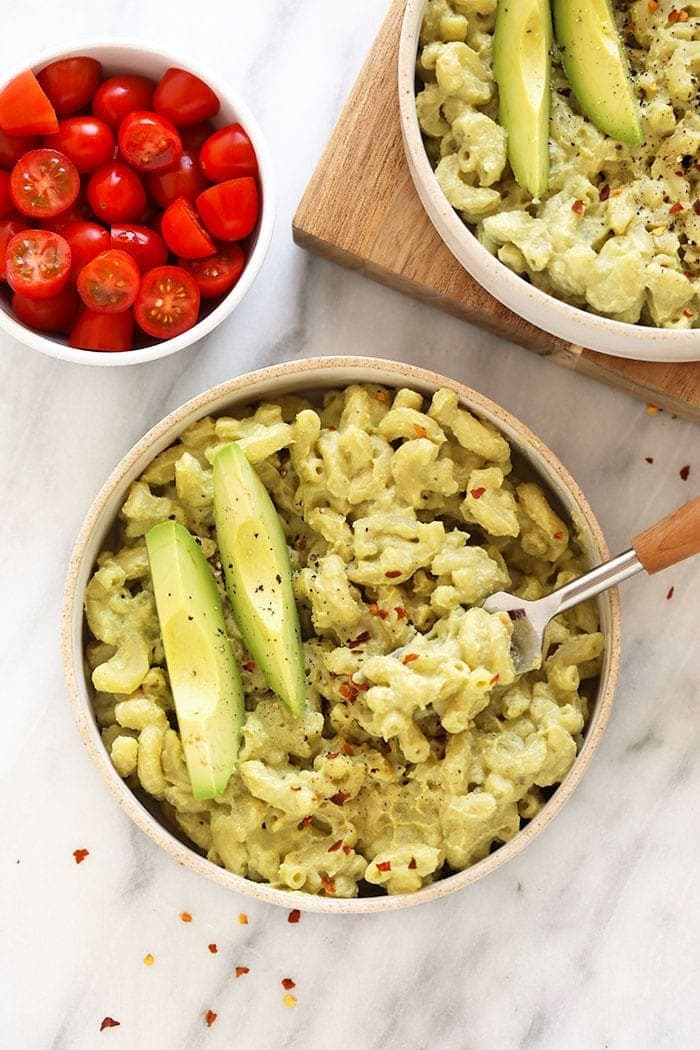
(587, 940)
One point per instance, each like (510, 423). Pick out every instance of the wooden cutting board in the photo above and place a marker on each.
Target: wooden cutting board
(361, 210)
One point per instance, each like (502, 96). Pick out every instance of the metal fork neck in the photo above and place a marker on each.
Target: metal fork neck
(599, 579)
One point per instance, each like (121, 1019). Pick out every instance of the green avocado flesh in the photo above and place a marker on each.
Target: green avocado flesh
(596, 66)
(204, 675)
(522, 67)
(258, 574)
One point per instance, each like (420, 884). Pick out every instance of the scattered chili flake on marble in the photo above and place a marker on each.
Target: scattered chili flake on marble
(577, 207)
(185, 916)
(294, 915)
(652, 410)
(477, 493)
(240, 970)
(210, 1017)
(80, 855)
(670, 594)
(384, 865)
(149, 959)
(290, 1001)
(340, 798)
(648, 459)
(335, 846)
(243, 919)
(392, 574)
(288, 984)
(109, 1022)
(409, 658)
(420, 431)
(684, 472)
(212, 948)
(412, 864)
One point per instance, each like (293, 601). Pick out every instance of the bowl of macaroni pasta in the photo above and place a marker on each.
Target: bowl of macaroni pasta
(422, 762)
(609, 256)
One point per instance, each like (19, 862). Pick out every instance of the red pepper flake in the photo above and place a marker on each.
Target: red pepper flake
(360, 640)
(240, 970)
(673, 15)
(689, 273)
(401, 612)
(347, 850)
(243, 918)
(335, 846)
(210, 1017)
(382, 397)
(348, 749)
(684, 472)
(330, 755)
(249, 665)
(288, 984)
(494, 679)
(301, 545)
(361, 687)
(392, 574)
(294, 915)
(670, 594)
(682, 16)
(212, 948)
(604, 192)
(328, 884)
(305, 822)
(374, 610)
(557, 535)
(687, 313)
(80, 855)
(477, 493)
(420, 431)
(340, 798)
(652, 6)
(348, 692)
(649, 459)
(409, 658)
(185, 916)
(412, 864)
(384, 865)
(577, 206)
(675, 208)
(696, 204)
(109, 1022)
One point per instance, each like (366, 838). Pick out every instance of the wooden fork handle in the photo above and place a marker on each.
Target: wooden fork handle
(673, 539)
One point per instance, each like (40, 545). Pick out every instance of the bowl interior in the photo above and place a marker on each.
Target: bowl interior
(309, 378)
(120, 56)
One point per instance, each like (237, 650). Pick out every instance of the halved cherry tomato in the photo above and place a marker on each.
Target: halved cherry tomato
(25, 109)
(183, 232)
(109, 282)
(6, 203)
(184, 98)
(145, 246)
(86, 240)
(44, 183)
(48, 315)
(228, 154)
(38, 263)
(115, 193)
(184, 180)
(230, 210)
(70, 83)
(218, 274)
(121, 95)
(96, 331)
(8, 228)
(194, 137)
(167, 303)
(87, 141)
(149, 142)
(12, 148)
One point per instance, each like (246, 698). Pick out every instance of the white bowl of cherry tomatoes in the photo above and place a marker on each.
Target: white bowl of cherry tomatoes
(136, 203)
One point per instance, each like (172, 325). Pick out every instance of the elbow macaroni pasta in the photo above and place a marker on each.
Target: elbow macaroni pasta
(420, 751)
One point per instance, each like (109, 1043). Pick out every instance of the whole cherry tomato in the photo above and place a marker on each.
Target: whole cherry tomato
(12, 148)
(144, 245)
(183, 232)
(70, 83)
(56, 314)
(87, 141)
(25, 109)
(228, 154)
(184, 98)
(185, 180)
(86, 240)
(121, 95)
(115, 193)
(108, 283)
(6, 203)
(167, 303)
(44, 183)
(149, 142)
(230, 210)
(194, 137)
(97, 331)
(218, 274)
(8, 228)
(38, 263)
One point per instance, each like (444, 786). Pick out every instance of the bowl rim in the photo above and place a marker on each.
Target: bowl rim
(50, 347)
(171, 425)
(567, 322)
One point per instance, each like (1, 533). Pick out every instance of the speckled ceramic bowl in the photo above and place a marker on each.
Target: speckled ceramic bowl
(307, 377)
(552, 315)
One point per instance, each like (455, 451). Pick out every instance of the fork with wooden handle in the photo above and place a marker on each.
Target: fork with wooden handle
(671, 540)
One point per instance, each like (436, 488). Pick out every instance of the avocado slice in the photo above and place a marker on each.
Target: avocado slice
(522, 68)
(595, 63)
(258, 574)
(204, 675)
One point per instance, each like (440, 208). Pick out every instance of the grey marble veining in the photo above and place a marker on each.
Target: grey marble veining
(588, 939)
